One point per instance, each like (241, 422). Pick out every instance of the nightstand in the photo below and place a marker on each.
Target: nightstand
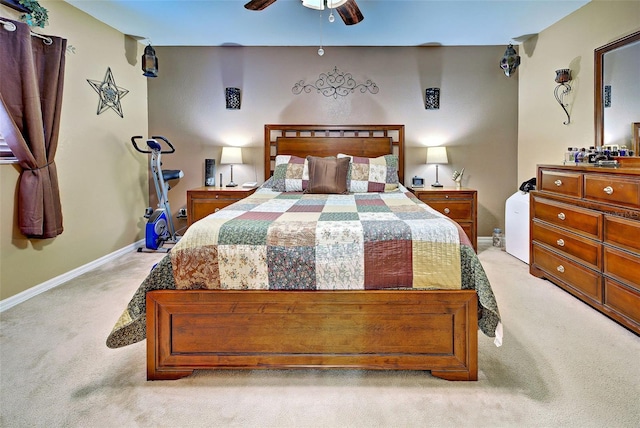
(203, 201)
(459, 204)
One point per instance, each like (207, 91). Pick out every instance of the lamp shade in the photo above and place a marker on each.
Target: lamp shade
(437, 155)
(231, 155)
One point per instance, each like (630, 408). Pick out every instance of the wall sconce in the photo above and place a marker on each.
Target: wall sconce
(437, 155)
(149, 62)
(510, 61)
(432, 99)
(232, 96)
(563, 76)
(231, 156)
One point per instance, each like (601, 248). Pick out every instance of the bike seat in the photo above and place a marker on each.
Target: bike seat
(172, 174)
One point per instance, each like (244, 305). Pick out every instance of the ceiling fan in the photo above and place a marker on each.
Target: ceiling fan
(347, 9)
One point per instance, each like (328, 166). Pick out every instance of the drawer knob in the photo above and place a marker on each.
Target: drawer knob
(217, 196)
(608, 190)
(447, 210)
(561, 216)
(216, 210)
(560, 242)
(558, 183)
(560, 268)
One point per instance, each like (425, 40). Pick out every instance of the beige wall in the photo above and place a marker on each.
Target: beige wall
(103, 183)
(477, 119)
(542, 138)
(489, 123)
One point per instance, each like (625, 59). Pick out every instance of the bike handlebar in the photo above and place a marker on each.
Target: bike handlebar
(153, 138)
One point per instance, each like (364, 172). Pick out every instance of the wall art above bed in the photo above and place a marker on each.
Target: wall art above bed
(335, 83)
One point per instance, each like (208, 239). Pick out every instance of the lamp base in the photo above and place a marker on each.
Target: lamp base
(437, 185)
(232, 184)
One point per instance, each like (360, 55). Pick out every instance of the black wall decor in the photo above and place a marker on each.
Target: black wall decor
(334, 83)
(232, 96)
(432, 98)
(110, 94)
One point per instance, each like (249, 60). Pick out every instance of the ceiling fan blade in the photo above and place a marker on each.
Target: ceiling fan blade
(350, 12)
(258, 4)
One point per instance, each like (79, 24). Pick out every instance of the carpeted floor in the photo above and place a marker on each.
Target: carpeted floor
(562, 364)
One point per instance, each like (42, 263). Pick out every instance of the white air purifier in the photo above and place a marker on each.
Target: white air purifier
(517, 226)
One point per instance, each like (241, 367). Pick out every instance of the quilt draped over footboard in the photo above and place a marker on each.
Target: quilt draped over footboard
(296, 241)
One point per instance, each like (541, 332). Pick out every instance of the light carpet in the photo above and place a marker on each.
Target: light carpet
(562, 364)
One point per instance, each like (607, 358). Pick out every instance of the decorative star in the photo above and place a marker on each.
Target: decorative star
(110, 93)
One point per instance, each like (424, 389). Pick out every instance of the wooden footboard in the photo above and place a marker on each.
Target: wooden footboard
(407, 330)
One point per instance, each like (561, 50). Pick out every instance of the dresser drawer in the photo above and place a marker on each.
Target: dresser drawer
(454, 209)
(562, 183)
(581, 220)
(610, 188)
(622, 300)
(586, 282)
(622, 232)
(622, 265)
(586, 250)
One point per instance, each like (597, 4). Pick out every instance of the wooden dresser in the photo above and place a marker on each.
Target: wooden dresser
(459, 204)
(203, 201)
(585, 236)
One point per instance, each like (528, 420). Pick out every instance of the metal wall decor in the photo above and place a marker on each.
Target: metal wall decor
(149, 62)
(232, 95)
(510, 61)
(110, 94)
(563, 77)
(432, 99)
(334, 83)
(607, 96)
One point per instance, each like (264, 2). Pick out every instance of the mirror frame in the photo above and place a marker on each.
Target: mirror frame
(598, 67)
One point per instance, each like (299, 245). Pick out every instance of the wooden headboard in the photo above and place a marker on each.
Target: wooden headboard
(329, 140)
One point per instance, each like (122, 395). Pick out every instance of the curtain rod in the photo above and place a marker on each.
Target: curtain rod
(46, 40)
(10, 26)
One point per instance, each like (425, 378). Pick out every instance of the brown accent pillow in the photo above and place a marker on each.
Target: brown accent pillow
(327, 175)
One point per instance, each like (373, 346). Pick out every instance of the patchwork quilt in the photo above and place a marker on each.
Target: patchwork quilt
(295, 241)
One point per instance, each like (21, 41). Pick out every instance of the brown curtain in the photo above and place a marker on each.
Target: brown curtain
(31, 83)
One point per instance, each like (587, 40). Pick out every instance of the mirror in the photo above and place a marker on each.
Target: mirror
(617, 93)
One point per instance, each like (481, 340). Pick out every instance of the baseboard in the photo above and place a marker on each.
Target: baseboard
(485, 240)
(12, 301)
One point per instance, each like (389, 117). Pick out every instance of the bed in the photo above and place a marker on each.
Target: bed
(281, 280)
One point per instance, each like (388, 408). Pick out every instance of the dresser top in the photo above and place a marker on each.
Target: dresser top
(591, 168)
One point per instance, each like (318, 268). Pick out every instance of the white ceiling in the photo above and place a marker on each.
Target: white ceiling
(288, 23)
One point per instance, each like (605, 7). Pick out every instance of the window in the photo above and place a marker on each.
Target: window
(6, 155)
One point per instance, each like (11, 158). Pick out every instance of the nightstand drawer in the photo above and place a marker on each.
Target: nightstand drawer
(456, 210)
(206, 200)
(203, 207)
(458, 203)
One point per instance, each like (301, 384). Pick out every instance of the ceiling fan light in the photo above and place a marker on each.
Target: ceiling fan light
(313, 4)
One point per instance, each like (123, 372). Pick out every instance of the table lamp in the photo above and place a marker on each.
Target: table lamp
(231, 156)
(437, 155)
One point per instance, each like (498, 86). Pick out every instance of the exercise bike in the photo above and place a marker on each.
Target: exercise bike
(159, 229)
